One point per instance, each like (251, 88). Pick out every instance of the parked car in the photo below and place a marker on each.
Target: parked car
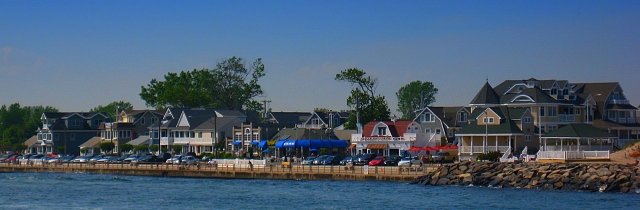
(66, 158)
(82, 159)
(7, 158)
(147, 159)
(130, 158)
(346, 160)
(189, 160)
(409, 161)
(96, 158)
(364, 159)
(308, 161)
(392, 161)
(377, 161)
(319, 159)
(442, 157)
(108, 159)
(36, 159)
(330, 160)
(174, 160)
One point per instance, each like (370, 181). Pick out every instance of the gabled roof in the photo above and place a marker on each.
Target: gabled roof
(139, 141)
(498, 110)
(92, 142)
(449, 114)
(290, 119)
(397, 128)
(517, 113)
(578, 130)
(31, 141)
(599, 92)
(536, 94)
(486, 95)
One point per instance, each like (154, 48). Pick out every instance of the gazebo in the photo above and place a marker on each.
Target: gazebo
(576, 141)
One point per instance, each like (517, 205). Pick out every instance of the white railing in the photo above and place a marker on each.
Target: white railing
(618, 101)
(567, 118)
(382, 138)
(575, 148)
(573, 155)
(192, 141)
(481, 149)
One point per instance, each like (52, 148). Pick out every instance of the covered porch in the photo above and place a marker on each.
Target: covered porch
(575, 142)
(474, 144)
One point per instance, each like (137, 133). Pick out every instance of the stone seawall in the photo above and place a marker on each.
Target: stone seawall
(565, 176)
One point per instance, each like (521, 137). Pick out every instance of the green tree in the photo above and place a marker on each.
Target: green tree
(363, 98)
(111, 108)
(141, 148)
(18, 123)
(153, 148)
(177, 148)
(231, 85)
(415, 96)
(126, 148)
(107, 146)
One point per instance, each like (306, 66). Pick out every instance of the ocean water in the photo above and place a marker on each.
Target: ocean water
(93, 191)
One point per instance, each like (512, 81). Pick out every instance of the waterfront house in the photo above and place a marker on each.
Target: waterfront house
(492, 129)
(196, 130)
(64, 132)
(324, 120)
(576, 141)
(246, 137)
(388, 138)
(287, 119)
(440, 124)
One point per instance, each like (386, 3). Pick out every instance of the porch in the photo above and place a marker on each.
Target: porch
(576, 142)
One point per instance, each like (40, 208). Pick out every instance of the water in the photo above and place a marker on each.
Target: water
(91, 191)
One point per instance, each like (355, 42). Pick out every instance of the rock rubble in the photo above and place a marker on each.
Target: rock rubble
(558, 176)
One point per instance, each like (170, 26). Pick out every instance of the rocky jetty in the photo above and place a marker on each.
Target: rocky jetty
(557, 176)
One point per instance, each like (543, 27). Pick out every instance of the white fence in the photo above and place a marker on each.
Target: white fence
(481, 149)
(573, 155)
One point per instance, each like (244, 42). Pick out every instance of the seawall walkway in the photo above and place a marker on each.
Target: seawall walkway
(304, 172)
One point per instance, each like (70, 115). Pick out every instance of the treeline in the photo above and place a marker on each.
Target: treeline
(18, 123)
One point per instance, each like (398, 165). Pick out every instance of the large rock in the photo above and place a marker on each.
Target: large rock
(603, 172)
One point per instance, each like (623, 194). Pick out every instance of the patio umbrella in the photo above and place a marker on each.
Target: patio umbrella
(428, 148)
(415, 149)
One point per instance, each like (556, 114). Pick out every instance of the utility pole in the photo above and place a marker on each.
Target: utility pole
(266, 108)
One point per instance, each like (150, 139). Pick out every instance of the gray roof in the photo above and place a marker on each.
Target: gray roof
(486, 95)
(92, 142)
(139, 141)
(31, 141)
(290, 119)
(578, 130)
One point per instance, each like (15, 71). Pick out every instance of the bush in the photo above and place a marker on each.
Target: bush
(490, 156)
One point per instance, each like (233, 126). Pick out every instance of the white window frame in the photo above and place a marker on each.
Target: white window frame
(488, 120)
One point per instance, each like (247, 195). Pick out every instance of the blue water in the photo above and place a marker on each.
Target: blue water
(91, 191)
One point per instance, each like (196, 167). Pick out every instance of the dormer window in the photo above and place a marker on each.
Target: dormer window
(554, 91)
(526, 120)
(488, 120)
(382, 131)
(462, 116)
(428, 117)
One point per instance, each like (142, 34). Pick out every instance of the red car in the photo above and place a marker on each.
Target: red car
(378, 161)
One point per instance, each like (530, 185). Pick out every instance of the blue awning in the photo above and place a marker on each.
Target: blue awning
(289, 144)
(237, 143)
(280, 143)
(255, 142)
(263, 144)
(266, 151)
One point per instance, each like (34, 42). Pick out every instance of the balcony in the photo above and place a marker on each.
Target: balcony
(481, 149)
(619, 101)
(357, 138)
(566, 118)
(193, 141)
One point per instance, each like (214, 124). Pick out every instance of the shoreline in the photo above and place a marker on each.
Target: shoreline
(296, 172)
(591, 177)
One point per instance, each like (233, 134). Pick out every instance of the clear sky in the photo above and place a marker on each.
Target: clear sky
(75, 55)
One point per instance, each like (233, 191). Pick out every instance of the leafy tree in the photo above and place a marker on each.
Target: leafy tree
(141, 148)
(126, 147)
(18, 123)
(177, 148)
(414, 96)
(112, 107)
(107, 146)
(153, 148)
(231, 85)
(363, 98)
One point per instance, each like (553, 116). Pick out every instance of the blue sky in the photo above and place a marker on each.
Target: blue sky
(75, 55)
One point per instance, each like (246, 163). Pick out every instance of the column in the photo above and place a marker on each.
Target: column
(471, 151)
(497, 144)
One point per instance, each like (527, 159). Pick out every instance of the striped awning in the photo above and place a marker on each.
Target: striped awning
(377, 146)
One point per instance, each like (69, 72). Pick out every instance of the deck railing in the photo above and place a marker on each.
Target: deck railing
(573, 155)
(481, 149)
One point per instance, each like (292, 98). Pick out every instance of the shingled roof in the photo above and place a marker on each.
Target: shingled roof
(578, 130)
(486, 95)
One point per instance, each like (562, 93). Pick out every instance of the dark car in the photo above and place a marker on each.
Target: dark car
(346, 160)
(392, 161)
(319, 159)
(442, 157)
(148, 159)
(363, 159)
(330, 160)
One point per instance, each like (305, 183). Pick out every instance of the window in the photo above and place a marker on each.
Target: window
(462, 116)
(428, 130)
(142, 120)
(611, 115)
(543, 129)
(199, 134)
(527, 138)
(553, 111)
(382, 131)
(554, 91)
(565, 92)
(488, 120)
(153, 120)
(428, 117)
(437, 131)
(542, 111)
(526, 120)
